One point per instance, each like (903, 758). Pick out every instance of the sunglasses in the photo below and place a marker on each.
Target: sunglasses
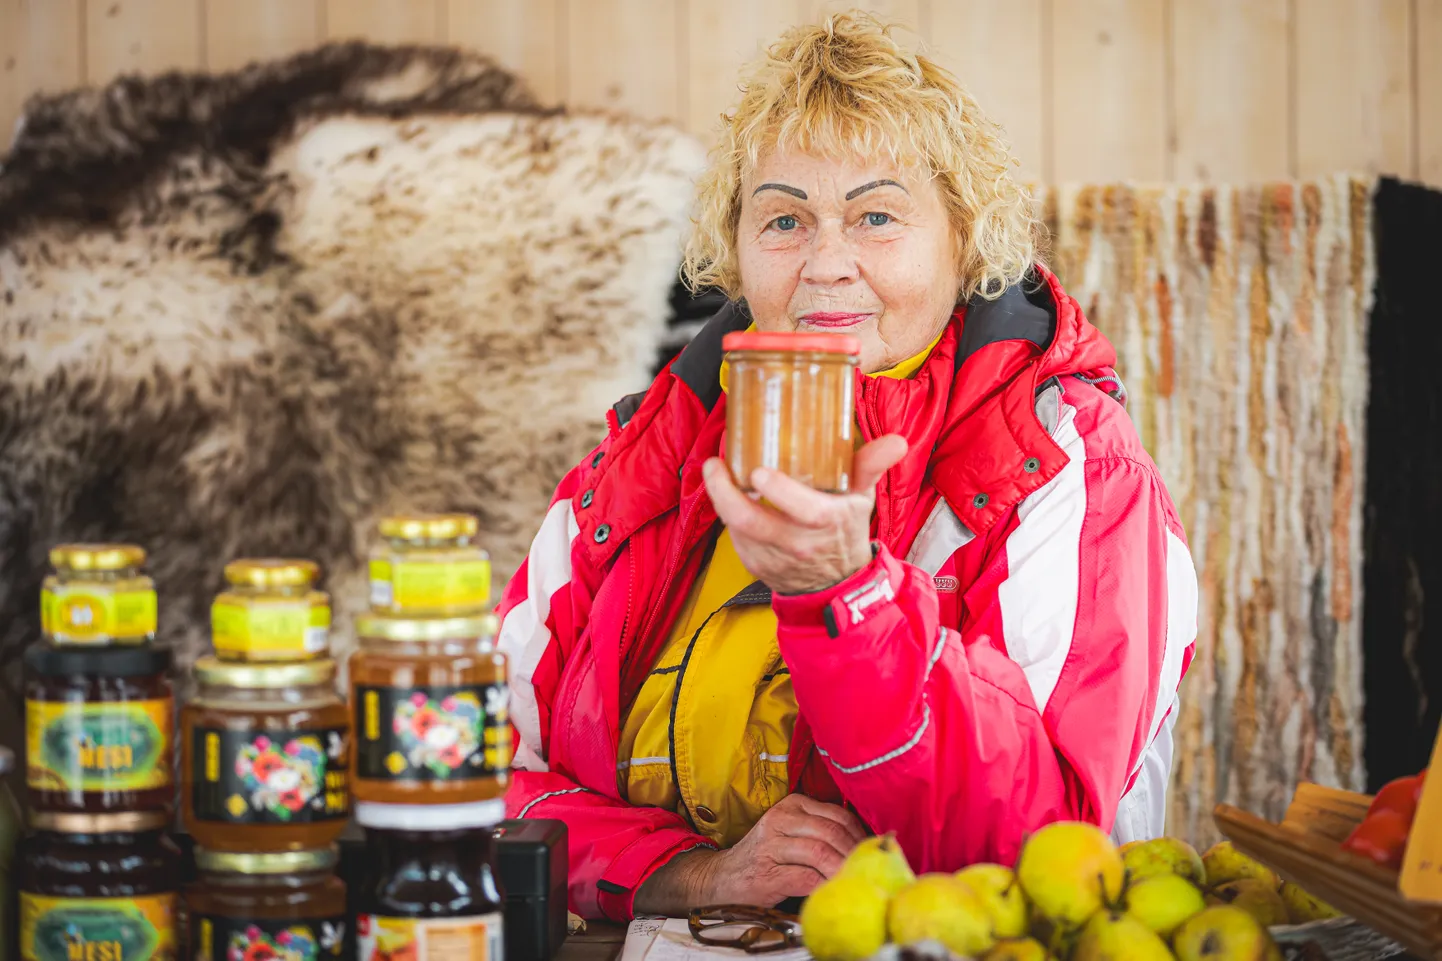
(752, 929)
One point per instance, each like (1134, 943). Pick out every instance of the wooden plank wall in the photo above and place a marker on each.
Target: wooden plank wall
(1089, 90)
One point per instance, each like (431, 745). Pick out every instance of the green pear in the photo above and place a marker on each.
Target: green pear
(1303, 906)
(1224, 933)
(1114, 936)
(1069, 871)
(1163, 856)
(1163, 901)
(938, 907)
(1254, 897)
(844, 919)
(879, 860)
(1223, 863)
(998, 890)
(1018, 949)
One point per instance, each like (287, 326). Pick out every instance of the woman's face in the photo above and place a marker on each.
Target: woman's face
(847, 247)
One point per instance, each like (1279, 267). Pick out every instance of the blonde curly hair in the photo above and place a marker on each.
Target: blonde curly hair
(847, 88)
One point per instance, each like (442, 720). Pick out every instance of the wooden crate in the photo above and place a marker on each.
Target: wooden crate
(1306, 848)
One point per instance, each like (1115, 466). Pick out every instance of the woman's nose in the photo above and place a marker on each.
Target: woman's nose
(831, 260)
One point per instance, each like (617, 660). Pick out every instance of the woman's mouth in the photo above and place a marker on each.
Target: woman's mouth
(832, 319)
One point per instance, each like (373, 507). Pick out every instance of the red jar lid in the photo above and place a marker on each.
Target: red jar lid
(793, 342)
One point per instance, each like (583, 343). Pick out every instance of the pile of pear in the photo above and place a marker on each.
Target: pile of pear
(1072, 896)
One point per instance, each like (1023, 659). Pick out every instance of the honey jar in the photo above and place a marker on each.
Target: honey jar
(265, 757)
(98, 595)
(790, 406)
(429, 701)
(271, 611)
(266, 906)
(429, 565)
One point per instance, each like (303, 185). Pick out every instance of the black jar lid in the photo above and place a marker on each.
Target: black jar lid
(100, 660)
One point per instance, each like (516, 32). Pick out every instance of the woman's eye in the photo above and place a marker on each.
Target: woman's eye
(786, 222)
(878, 220)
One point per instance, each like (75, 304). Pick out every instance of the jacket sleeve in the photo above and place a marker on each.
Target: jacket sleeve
(1039, 712)
(613, 847)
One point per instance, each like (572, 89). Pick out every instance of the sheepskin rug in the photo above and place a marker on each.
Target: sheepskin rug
(249, 314)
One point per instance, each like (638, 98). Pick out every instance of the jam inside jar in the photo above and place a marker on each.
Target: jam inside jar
(790, 406)
(99, 728)
(98, 595)
(430, 708)
(271, 611)
(98, 886)
(264, 755)
(266, 906)
(430, 891)
(429, 565)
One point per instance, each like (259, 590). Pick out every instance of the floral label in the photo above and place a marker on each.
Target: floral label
(275, 777)
(432, 733)
(215, 938)
(98, 745)
(475, 938)
(97, 929)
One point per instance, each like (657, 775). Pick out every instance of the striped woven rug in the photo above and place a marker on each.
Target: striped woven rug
(1240, 317)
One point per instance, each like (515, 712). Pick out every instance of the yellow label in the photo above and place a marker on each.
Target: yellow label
(98, 746)
(373, 715)
(85, 615)
(430, 585)
(97, 929)
(429, 939)
(275, 627)
(1421, 878)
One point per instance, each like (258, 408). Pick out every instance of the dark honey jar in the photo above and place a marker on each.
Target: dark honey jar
(270, 906)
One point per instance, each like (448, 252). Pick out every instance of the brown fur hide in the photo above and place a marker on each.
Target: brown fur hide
(249, 314)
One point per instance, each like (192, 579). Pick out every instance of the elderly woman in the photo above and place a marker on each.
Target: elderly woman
(721, 695)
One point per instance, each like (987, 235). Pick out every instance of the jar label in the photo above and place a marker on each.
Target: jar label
(275, 777)
(98, 745)
(477, 938)
(430, 585)
(432, 733)
(216, 938)
(97, 929)
(280, 627)
(80, 615)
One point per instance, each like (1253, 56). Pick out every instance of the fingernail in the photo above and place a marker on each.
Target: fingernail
(760, 476)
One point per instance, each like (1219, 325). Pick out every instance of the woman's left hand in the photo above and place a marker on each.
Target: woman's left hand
(802, 540)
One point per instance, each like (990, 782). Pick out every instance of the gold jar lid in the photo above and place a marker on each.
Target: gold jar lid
(271, 572)
(96, 557)
(127, 821)
(284, 862)
(213, 671)
(429, 527)
(386, 628)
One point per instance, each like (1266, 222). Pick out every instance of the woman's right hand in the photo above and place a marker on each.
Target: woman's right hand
(797, 844)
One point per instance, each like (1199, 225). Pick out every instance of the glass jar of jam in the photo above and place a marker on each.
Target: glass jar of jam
(97, 887)
(264, 756)
(429, 565)
(98, 595)
(429, 892)
(246, 907)
(271, 611)
(789, 406)
(430, 710)
(99, 728)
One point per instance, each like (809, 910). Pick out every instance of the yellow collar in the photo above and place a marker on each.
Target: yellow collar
(901, 371)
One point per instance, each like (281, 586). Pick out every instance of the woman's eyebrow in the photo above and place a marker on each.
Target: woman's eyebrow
(796, 192)
(872, 186)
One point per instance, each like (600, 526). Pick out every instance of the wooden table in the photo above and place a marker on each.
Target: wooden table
(601, 942)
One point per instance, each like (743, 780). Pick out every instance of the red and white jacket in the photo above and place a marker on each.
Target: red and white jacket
(1011, 656)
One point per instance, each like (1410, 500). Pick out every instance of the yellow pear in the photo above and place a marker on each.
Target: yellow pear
(998, 890)
(1069, 871)
(938, 907)
(844, 919)
(1018, 949)
(881, 861)
(1163, 901)
(1163, 856)
(1223, 863)
(1113, 936)
(1224, 933)
(1254, 897)
(1303, 906)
